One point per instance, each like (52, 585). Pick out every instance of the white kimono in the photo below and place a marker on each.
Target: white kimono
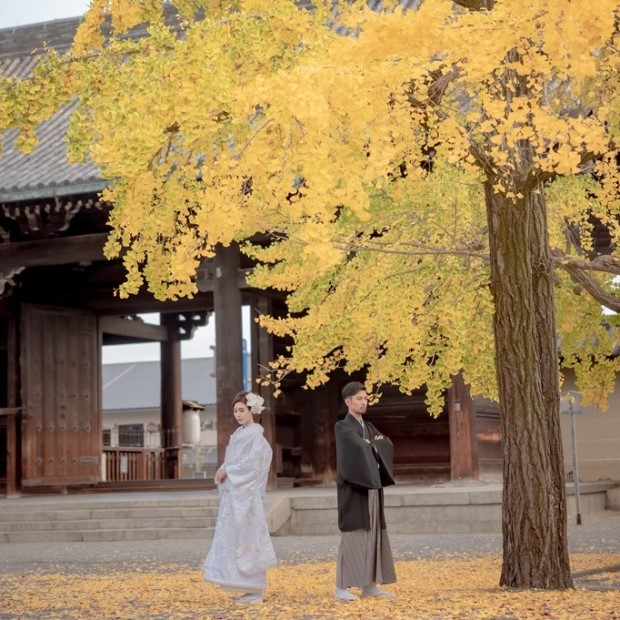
(242, 550)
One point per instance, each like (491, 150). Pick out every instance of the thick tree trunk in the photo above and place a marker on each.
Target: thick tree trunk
(535, 553)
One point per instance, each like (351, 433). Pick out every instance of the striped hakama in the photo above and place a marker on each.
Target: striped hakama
(365, 556)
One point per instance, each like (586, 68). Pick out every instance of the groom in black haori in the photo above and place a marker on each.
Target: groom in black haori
(364, 459)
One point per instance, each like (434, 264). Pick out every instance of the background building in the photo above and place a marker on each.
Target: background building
(131, 411)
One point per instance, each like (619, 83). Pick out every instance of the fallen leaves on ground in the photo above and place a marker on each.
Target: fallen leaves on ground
(449, 588)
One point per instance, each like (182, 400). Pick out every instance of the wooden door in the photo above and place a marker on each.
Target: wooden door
(60, 396)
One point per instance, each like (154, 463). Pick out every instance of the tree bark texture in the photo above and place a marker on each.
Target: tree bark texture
(535, 546)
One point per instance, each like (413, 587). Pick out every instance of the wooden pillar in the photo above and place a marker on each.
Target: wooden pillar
(12, 411)
(262, 354)
(11, 416)
(228, 340)
(317, 433)
(12, 461)
(463, 444)
(171, 398)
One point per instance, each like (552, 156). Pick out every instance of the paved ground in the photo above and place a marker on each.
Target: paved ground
(599, 532)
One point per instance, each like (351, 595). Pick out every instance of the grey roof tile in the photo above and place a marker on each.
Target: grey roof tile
(47, 165)
(46, 170)
(23, 40)
(137, 385)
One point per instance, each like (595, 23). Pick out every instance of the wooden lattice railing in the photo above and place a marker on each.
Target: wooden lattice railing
(134, 464)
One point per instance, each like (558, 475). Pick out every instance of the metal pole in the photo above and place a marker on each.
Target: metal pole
(575, 468)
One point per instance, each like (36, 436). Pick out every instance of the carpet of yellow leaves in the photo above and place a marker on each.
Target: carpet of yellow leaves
(450, 588)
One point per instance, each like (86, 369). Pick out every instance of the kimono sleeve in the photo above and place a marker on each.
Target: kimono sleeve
(244, 472)
(355, 461)
(384, 453)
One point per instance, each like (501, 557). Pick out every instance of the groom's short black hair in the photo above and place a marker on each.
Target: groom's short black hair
(352, 388)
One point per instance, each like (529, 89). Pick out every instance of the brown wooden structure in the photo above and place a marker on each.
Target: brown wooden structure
(58, 307)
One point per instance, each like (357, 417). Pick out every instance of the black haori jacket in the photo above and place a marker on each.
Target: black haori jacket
(360, 465)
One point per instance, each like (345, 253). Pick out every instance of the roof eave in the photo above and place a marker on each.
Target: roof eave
(36, 193)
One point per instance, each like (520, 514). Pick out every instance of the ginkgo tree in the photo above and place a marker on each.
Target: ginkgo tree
(431, 180)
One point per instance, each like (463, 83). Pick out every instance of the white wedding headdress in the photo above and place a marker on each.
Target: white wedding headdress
(255, 402)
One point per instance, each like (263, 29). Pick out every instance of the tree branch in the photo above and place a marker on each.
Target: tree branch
(249, 142)
(604, 263)
(436, 88)
(476, 5)
(482, 158)
(421, 251)
(588, 282)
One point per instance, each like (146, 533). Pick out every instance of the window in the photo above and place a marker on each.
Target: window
(131, 435)
(107, 437)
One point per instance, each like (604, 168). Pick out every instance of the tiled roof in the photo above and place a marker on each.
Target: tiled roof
(137, 385)
(44, 172)
(23, 40)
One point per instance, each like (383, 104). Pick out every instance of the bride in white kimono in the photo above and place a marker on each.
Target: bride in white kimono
(242, 550)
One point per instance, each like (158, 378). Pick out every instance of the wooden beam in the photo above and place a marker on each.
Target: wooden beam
(207, 275)
(58, 251)
(135, 329)
(104, 301)
(8, 411)
(105, 304)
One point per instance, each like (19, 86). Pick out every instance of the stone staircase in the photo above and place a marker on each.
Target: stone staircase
(469, 506)
(80, 519)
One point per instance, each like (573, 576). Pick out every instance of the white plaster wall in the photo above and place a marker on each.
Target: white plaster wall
(597, 438)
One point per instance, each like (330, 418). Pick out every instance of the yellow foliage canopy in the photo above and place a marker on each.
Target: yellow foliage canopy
(362, 139)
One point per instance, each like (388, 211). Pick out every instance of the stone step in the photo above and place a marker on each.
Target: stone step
(107, 535)
(613, 499)
(179, 522)
(450, 507)
(447, 508)
(100, 519)
(69, 513)
(88, 503)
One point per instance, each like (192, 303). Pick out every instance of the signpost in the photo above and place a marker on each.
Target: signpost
(572, 406)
